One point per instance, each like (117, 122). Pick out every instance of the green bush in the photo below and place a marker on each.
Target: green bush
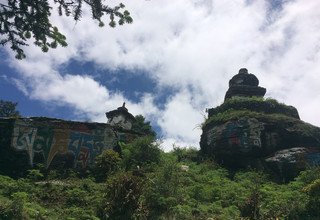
(183, 154)
(6, 211)
(165, 192)
(121, 196)
(107, 163)
(142, 126)
(143, 152)
(313, 204)
(19, 199)
(232, 114)
(256, 104)
(35, 175)
(77, 197)
(76, 213)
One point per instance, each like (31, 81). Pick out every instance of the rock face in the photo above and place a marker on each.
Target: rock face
(248, 131)
(244, 84)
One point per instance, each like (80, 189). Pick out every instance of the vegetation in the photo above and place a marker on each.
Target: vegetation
(20, 20)
(142, 126)
(257, 104)
(107, 163)
(232, 114)
(159, 189)
(8, 109)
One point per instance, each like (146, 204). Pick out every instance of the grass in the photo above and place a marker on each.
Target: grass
(256, 104)
(233, 114)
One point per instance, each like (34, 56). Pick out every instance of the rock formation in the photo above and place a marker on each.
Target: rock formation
(244, 84)
(250, 131)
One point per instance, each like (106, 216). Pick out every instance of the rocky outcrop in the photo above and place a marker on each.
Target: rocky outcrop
(244, 84)
(289, 162)
(248, 131)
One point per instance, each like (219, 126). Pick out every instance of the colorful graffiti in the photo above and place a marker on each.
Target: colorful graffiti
(245, 133)
(23, 138)
(50, 138)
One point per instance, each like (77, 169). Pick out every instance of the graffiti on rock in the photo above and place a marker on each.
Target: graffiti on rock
(59, 144)
(245, 133)
(272, 139)
(50, 139)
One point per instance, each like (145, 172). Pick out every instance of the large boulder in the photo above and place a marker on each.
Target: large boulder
(248, 131)
(289, 162)
(246, 138)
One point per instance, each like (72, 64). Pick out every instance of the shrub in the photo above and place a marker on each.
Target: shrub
(35, 175)
(255, 104)
(6, 212)
(142, 126)
(122, 195)
(313, 204)
(106, 164)
(142, 152)
(183, 154)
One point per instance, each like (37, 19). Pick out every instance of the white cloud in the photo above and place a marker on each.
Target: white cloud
(167, 144)
(195, 46)
(180, 118)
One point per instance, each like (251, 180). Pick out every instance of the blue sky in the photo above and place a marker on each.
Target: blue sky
(172, 63)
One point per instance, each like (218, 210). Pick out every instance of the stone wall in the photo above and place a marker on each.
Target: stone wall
(46, 140)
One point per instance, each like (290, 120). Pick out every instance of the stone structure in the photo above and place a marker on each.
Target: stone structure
(244, 84)
(253, 132)
(120, 117)
(29, 141)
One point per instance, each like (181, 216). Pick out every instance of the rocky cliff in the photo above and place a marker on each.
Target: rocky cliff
(250, 131)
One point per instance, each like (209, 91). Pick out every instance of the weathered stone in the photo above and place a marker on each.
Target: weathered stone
(245, 91)
(289, 162)
(244, 84)
(244, 78)
(25, 142)
(247, 141)
(253, 132)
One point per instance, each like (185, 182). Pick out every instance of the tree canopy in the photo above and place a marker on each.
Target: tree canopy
(21, 20)
(8, 109)
(142, 126)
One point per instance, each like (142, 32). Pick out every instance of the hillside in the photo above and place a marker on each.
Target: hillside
(175, 185)
(257, 160)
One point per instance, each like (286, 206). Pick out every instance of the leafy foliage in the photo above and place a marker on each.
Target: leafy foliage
(165, 191)
(142, 126)
(122, 196)
(8, 109)
(232, 114)
(142, 152)
(20, 20)
(106, 164)
(313, 204)
(256, 104)
(186, 154)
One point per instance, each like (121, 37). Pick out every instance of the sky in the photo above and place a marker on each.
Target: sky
(174, 61)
